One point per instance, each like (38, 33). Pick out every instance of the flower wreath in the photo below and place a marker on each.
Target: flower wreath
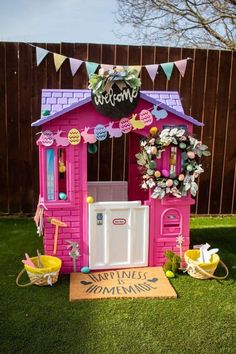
(164, 182)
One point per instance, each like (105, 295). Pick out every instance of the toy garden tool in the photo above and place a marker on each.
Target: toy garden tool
(57, 223)
(74, 252)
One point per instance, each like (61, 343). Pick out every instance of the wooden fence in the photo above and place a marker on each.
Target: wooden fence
(208, 93)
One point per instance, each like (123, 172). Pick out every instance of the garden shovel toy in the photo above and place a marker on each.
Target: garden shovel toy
(57, 223)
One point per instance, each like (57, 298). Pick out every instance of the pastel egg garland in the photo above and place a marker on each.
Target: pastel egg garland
(162, 182)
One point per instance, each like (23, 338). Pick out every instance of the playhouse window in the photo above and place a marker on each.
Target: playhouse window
(56, 174)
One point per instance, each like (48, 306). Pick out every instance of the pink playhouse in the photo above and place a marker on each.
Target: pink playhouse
(130, 223)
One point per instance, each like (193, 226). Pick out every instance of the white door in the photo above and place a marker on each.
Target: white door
(118, 235)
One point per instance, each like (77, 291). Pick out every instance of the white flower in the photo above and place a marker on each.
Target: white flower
(151, 183)
(144, 185)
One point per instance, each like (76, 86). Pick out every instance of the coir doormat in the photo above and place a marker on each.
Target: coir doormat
(125, 283)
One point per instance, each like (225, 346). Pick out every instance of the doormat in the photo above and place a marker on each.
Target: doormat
(148, 282)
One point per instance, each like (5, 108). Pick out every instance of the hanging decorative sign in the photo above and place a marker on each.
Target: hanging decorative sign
(74, 136)
(47, 138)
(137, 124)
(159, 113)
(146, 117)
(116, 103)
(125, 125)
(100, 132)
(88, 138)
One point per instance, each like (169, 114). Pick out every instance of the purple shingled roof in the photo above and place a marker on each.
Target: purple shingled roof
(61, 101)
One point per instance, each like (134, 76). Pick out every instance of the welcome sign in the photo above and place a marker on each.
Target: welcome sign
(128, 283)
(116, 103)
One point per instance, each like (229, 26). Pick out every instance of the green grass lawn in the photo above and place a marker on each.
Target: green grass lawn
(42, 320)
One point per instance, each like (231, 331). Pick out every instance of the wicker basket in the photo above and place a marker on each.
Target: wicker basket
(203, 270)
(47, 275)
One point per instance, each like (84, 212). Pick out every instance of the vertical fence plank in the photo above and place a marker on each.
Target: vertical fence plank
(4, 194)
(161, 57)
(220, 131)
(186, 81)
(198, 94)
(12, 91)
(80, 80)
(174, 83)
(148, 57)
(67, 49)
(53, 77)
(210, 100)
(228, 205)
(25, 146)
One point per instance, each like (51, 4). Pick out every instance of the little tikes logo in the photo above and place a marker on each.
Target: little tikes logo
(119, 221)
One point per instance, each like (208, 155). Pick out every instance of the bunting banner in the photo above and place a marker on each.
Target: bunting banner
(40, 55)
(167, 68)
(91, 67)
(58, 60)
(152, 71)
(75, 65)
(181, 66)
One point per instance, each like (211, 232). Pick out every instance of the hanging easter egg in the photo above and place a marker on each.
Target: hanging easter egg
(146, 117)
(153, 130)
(165, 173)
(47, 138)
(181, 177)
(125, 125)
(153, 150)
(191, 155)
(152, 164)
(157, 174)
(100, 132)
(182, 146)
(169, 183)
(74, 136)
(189, 168)
(62, 196)
(92, 148)
(176, 182)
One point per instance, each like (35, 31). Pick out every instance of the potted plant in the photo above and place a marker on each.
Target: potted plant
(115, 92)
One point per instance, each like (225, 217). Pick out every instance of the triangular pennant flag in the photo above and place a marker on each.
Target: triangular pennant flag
(74, 65)
(136, 67)
(91, 67)
(40, 55)
(168, 68)
(107, 67)
(58, 60)
(152, 71)
(181, 65)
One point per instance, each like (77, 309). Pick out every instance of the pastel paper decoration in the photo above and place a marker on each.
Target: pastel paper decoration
(146, 117)
(167, 68)
(159, 114)
(136, 67)
(114, 132)
(74, 136)
(137, 124)
(88, 138)
(91, 67)
(125, 125)
(107, 67)
(58, 60)
(100, 132)
(40, 55)
(74, 65)
(47, 138)
(61, 141)
(152, 71)
(181, 66)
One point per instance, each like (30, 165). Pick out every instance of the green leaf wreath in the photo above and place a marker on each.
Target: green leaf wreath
(122, 77)
(161, 182)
